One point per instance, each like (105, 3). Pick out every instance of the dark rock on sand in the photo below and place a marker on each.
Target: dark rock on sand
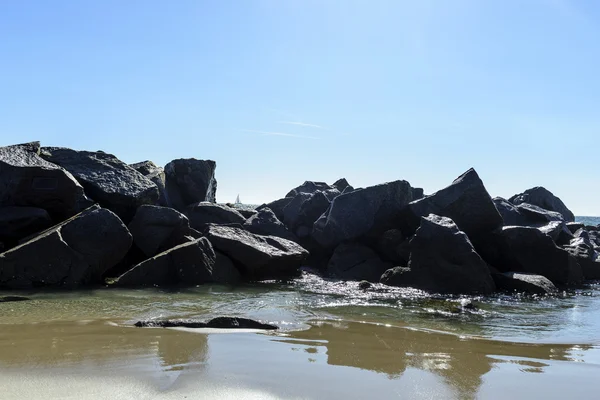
(190, 181)
(259, 257)
(19, 222)
(543, 198)
(28, 180)
(354, 261)
(277, 207)
(443, 260)
(215, 323)
(527, 249)
(205, 213)
(362, 212)
(106, 179)
(156, 229)
(266, 223)
(465, 201)
(188, 264)
(8, 299)
(157, 175)
(73, 253)
(524, 282)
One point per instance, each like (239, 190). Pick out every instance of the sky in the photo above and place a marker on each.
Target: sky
(282, 91)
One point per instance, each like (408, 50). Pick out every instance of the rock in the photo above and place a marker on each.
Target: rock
(364, 285)
(397, 276)
(368, 211)
(205, 213)
(418, 193)
(157, 175)
(393, 246)
(309, 187)
(305, 209)
(73, 253)
(215, 323)
(527, 249)
(524, 282)
(19, 222)
(190, 181)
(509, 212)
(266, 223)
(443, 260)
(574, 226)
(156, 229)
(277, 207)
(259, 257)
(354, 261)
(558, 231)
(588, 258)
(341, 184)
(106, 179)
(188, 264)
(465, 201)
(537, 215)
(246, 213)
(8, 299)
(543, 198)
(225, 270)
(28, 180)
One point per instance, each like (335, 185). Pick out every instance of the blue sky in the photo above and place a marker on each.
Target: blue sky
(279, 92)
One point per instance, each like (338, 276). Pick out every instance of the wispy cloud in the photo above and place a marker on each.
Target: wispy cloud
(264, 133)
(301, 124)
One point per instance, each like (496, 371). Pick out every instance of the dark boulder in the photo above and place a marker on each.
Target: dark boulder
(558, 231)
(574, 226)
(156, 229)
(258, 257)
(341, 184)
(73, 253)
(106, 179)
(309, 210)
(368, 211)
(356, 262)
(331, 194)
(190, 181)
(443, 260)
(394, 246)
(524, 283)
(465, 201)
(543, 198)
(28, 180)
(188, 264)
(246, 213)
(291, 211)
(583, 250)
(527, 249)
(308, 187)
(205, 213)
(225, 270)
(157, 175)
(19, 222)
(277, 207)
(537, 215)
(215, 323)
(266, 223)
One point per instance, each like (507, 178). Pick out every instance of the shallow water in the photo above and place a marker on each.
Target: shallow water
(335, 341)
